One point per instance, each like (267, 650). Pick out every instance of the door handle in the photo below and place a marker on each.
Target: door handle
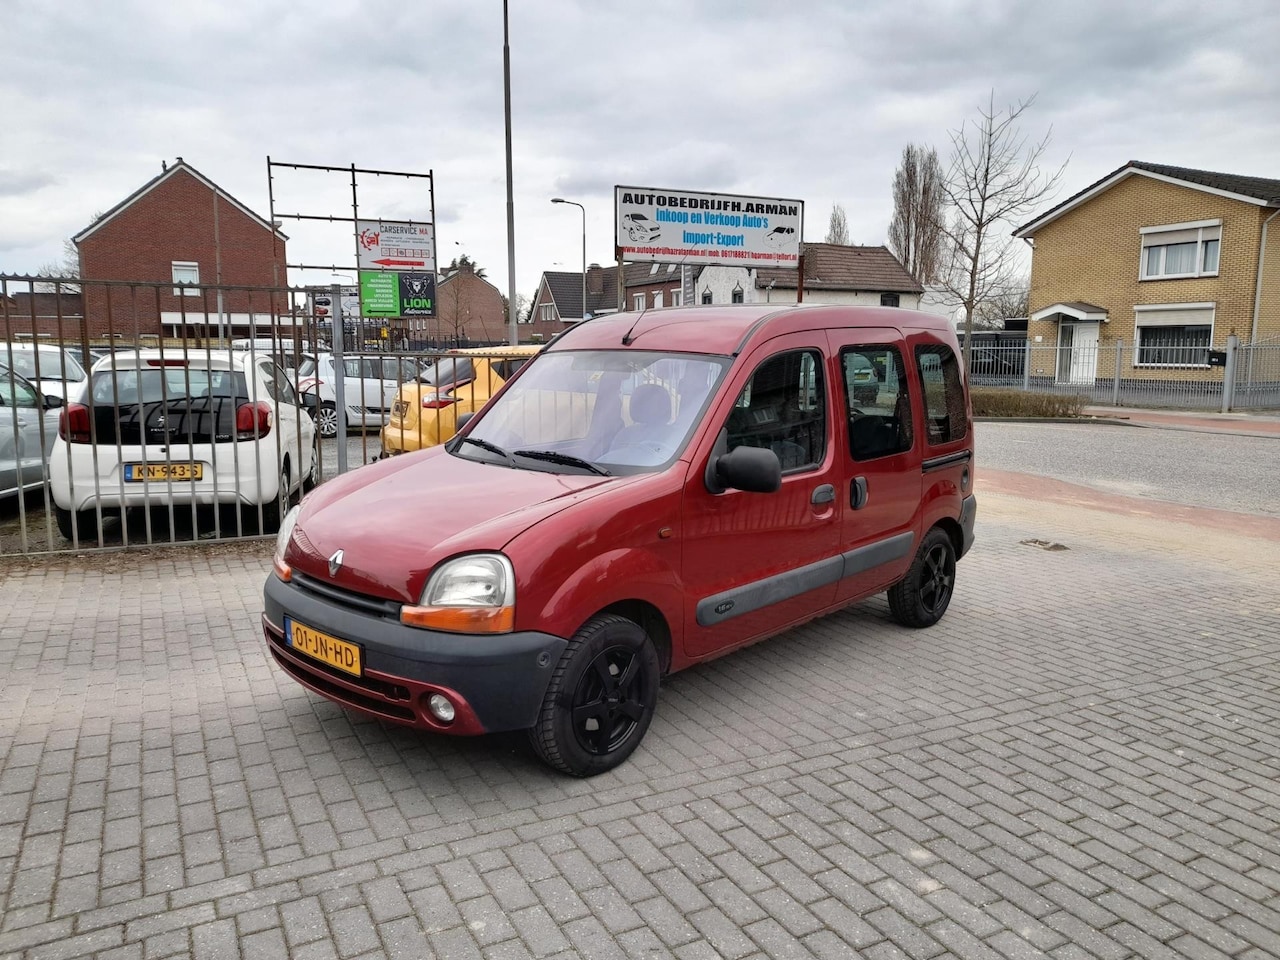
(823, 494)
(858, 493)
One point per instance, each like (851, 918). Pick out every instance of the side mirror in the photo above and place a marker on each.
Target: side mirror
(463, 419)
(52, 400)
(750, 469)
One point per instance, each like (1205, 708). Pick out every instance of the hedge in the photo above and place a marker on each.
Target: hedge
(991, 402)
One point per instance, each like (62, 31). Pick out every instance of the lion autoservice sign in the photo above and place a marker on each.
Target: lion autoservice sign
(397, 260)
(681, 226)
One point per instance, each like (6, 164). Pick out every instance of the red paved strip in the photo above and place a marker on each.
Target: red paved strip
(1031, 487)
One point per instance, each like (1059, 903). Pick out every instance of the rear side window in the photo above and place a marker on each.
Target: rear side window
(782, 409)
(943, 393)
(879, 405)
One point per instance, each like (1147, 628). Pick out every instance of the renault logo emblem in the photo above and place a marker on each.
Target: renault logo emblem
(335, 563)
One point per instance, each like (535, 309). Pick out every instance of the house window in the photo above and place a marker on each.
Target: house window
(706, 295)
(657, 299)
(737, 293)
(1181, 250)
(675, 298)
(637, 301)
(185, 272)
(889, 300)
(1174, 335)
(547, 311)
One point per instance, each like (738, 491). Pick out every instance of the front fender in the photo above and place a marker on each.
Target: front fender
(610, 578)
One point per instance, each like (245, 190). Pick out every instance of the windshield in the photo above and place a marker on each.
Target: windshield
(621, 411)
(23, 363)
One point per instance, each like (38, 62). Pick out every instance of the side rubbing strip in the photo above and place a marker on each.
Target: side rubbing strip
(937, 463)
(875, 554)
(756, 596)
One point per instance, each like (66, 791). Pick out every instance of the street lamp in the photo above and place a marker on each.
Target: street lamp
(584, 248)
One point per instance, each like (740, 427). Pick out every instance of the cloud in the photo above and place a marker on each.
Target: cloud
(14, 183)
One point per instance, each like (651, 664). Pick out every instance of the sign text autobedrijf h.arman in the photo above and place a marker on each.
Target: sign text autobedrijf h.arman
(681, 226)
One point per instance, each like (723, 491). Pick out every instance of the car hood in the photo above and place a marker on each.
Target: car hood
(396, 519)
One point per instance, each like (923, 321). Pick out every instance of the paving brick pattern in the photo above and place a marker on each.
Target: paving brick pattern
(1080, 762)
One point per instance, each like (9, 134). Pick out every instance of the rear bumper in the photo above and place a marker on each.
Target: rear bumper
(494, 682)
(968, 513)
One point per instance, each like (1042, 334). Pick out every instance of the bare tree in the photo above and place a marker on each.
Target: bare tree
(838, 229)
(994, 179)
(916, 231)
(66, 268)
(1004, 304)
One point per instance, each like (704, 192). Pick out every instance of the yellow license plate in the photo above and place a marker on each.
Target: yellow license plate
(139, 472)
(336, 653)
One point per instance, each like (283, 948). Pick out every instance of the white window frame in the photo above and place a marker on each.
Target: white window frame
(1149, 238)
(1152, 314)
(675, 298)
(547, 311)
(185, 288)
(637, 301)
(657, 299)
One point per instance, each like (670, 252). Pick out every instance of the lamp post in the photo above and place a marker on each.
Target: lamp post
(584, 248)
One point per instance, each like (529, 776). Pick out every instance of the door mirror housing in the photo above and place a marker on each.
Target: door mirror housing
(750, 469)
(52, 401)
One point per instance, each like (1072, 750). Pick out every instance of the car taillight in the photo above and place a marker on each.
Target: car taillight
(253, 420)
(437, 403)
(73, 423)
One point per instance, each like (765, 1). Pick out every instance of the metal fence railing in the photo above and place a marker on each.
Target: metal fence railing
(1158, 372)
(144, 413)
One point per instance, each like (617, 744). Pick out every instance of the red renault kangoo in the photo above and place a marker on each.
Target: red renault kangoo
(651, 491)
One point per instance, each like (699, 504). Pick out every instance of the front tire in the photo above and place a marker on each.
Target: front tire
(600, 699)
(921, 597)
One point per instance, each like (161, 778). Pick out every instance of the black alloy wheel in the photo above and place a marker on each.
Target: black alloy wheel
(921, 597)
(600, 700)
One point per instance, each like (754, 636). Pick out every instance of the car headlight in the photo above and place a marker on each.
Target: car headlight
(283, 570)
(471, 594)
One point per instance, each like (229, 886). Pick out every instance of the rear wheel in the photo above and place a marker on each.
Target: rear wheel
(327, 420)
(921, 597)
(86, 524)
(273, 513)
(313, 475)
(600, 700)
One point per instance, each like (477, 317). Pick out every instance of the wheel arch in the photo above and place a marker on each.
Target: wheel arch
(650, 620)
(951, 527)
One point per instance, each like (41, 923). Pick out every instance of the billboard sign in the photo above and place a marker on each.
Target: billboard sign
(682, 226)
(397, 260)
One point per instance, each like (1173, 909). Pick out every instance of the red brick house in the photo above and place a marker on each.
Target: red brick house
(469, 309)
(177, 232)
(558, 302)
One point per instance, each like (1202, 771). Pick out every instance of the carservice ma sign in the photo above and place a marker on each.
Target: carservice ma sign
(680, 226)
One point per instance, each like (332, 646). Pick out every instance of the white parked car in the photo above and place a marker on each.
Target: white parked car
(28, 425)
(370, 384)
(154, 428)
(54, 370)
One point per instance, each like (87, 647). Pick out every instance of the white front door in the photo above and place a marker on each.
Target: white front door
(1077, 353)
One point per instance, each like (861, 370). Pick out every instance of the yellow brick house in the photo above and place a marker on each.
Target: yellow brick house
(1167, 261)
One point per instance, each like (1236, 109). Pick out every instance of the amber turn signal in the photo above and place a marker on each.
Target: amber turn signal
(460, 619)
(283, 570)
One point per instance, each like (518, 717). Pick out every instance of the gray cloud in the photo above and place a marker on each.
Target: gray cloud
(813, 101)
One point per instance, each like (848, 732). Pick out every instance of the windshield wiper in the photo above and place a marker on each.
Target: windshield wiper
(491, 447)
(568, 459)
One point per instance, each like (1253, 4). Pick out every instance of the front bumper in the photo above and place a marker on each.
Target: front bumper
(494, 682)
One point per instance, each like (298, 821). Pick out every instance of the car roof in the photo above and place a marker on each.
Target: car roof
(726, 329)
(510, 350)
(200, 359)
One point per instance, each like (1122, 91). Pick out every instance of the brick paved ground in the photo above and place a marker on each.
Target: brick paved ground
(1081, 761)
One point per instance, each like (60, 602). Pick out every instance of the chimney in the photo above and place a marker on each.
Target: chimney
(595, 279)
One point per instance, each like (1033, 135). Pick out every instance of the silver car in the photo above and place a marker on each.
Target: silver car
(28, 427)
(53, 370)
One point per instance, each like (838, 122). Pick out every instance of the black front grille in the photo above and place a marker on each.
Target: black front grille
(346, 598)
(343, 694)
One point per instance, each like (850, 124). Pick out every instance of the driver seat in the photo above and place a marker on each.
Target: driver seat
(650, 416)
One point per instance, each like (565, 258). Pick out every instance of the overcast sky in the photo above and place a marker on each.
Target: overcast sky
(809, 100)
